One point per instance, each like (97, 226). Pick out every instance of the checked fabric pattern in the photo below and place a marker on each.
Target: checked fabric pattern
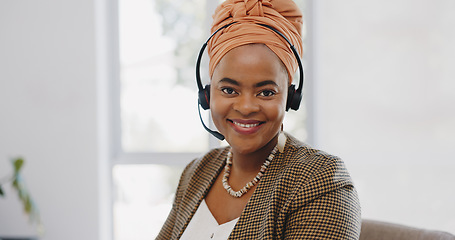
(304, 194)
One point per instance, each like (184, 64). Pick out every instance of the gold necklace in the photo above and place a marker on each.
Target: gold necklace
(227, 171)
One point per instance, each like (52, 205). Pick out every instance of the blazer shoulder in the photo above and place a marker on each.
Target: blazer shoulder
(313, 167)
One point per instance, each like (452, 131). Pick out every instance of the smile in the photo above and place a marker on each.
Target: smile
(245, 127)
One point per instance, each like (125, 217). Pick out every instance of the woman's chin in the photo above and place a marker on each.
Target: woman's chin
(242, 147)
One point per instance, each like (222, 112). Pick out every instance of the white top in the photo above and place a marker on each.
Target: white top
(204, 226)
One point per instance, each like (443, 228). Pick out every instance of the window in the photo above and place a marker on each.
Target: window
(159, 130)
(383, 98)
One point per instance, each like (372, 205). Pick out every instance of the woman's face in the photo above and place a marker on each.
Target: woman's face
(248, 97)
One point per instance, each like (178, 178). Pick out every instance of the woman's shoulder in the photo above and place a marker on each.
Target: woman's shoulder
(303, 173)
(313, 164)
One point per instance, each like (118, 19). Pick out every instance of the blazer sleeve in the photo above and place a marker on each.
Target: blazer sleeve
(326, 206)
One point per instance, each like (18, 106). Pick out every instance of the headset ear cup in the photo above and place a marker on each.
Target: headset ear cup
(291, 92)
(294, 98)
(204, 97)
(297, 99)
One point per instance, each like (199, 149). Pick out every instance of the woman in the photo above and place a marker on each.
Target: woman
(266, 184)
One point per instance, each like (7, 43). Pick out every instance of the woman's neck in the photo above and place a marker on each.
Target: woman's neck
(251, 162)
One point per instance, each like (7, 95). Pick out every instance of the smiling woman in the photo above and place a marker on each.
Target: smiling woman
(266, 184)
(157, 55)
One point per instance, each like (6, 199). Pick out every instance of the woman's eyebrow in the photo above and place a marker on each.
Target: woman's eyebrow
(259, 84)
(230, 81)
(264, 83)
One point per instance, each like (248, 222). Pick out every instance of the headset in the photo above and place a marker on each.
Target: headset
(294, 95)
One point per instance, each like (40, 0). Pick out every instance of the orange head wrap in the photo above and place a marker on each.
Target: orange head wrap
(283, 15)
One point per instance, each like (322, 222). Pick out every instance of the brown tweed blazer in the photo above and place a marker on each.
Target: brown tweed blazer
(305, 194)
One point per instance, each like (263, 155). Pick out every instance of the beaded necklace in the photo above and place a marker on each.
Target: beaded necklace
(227, 171)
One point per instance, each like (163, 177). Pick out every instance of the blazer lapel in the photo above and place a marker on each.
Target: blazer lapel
(261, 211)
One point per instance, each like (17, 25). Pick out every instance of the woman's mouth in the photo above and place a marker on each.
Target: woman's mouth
(245, 126)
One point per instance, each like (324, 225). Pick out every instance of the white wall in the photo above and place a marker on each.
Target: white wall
(385, 103)
(48, 115)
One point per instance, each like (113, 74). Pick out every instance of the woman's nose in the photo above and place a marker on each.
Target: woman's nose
(246, 104)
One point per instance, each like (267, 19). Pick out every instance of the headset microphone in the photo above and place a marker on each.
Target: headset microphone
(214, 133)
(294, 95)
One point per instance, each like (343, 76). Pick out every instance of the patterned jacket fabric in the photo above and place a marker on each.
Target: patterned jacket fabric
(304, 194)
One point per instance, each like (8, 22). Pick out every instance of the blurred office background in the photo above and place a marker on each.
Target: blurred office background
(99, 98)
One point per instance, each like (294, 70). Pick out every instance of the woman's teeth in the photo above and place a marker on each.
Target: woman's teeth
(246, 125)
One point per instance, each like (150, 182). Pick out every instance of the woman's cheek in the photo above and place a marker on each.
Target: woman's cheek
(218, 110)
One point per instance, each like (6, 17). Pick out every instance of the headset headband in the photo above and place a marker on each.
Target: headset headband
(294, 95)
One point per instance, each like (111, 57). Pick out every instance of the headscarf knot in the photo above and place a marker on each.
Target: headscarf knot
(256, 8)
(283, 15)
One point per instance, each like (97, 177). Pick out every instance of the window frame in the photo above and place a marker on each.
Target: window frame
(116, 154)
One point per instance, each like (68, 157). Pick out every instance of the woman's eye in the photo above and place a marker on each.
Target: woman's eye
(228, 90)
(267, 93)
